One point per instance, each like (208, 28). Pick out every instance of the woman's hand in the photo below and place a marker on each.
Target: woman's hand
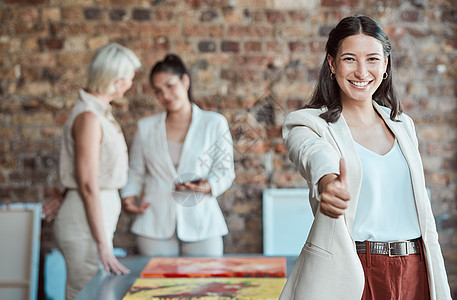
(129, 205)
(109, 262)
(198, 186)
(334, 193)
(51, 207)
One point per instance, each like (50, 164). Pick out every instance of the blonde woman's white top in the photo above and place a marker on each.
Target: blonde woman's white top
(113, 164)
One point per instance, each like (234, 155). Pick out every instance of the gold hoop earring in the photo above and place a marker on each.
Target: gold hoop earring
(385, 75)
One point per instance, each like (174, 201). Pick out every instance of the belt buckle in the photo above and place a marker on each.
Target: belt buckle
(397, 245)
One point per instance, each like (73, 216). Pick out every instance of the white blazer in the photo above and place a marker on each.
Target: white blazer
(328, 266)
(207, 153)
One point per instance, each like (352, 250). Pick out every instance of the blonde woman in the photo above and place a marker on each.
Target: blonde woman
(93, 166)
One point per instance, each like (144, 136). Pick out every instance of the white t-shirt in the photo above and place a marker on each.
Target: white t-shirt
(386, 210)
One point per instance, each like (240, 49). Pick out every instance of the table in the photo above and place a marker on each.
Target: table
(108, 287)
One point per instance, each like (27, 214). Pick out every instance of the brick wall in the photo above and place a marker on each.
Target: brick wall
(252, 60)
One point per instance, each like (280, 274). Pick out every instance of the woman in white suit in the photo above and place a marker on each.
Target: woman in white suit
(180, 161)
(374, 234)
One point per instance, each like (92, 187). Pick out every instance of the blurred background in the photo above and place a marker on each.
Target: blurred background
(254, 61)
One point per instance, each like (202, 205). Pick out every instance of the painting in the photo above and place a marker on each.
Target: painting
(215, 267)
(206, 288)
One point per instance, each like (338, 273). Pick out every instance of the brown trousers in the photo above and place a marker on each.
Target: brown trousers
(395, 278)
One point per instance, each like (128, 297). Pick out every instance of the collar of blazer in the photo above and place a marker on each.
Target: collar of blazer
(343, 138)
(407, 140)
(187, 145)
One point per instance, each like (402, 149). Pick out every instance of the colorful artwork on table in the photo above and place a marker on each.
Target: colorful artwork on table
(206, 288)
(215, 267)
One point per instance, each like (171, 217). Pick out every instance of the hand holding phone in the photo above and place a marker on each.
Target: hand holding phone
(197, 186)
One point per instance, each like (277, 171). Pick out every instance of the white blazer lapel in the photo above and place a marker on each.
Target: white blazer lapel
(187, 146)
(414, 162)
(165, 152)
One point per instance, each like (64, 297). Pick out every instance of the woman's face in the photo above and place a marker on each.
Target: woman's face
(359, 66)
(171, 90)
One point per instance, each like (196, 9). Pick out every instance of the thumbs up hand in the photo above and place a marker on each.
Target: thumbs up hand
(334, 192)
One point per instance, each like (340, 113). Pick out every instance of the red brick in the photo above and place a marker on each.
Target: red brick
(159, 30)
(204, 30)
(124, 29)
(280, 148)
(250, 31)
(27, 28)
(164, 15)
(35, 2)
(298, 16)
(37, 60)
(253, 46)
(184, 46)
(27, 14)
(249, 178)
(288, 179)
(54, 43)
(276, 46)
(410, 15)
(274, 132)
(195, 4)
(51, 14)
(67, 29)
(93, 13)
(68, 59)
(72, 13)
(338, 3)
(317, 47)
(123, 2)
(253, 60)
(255, 16)
(297, 46)
(292, 31)
(206, 46)
(117, 15)
(140, 14)
(208, 15)
(230, 46)
(241, 75)
(232, 16)
(276, 16)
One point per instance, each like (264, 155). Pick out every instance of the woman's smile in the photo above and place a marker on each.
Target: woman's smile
(360, 84)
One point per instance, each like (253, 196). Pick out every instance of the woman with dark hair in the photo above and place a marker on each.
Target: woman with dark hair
(180, 161)
(374, 234)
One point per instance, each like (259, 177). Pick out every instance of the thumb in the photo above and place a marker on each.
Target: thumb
(343, 172)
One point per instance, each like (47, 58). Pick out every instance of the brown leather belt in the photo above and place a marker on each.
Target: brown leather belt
(397, 248)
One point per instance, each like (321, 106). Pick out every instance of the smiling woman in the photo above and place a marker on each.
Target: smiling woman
(359, 155)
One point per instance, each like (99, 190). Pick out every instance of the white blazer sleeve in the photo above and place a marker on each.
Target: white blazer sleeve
(222, 172)
(137, 167)
(311, 153)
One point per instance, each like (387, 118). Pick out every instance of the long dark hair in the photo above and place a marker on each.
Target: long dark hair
(172, 64)
(327, 91)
